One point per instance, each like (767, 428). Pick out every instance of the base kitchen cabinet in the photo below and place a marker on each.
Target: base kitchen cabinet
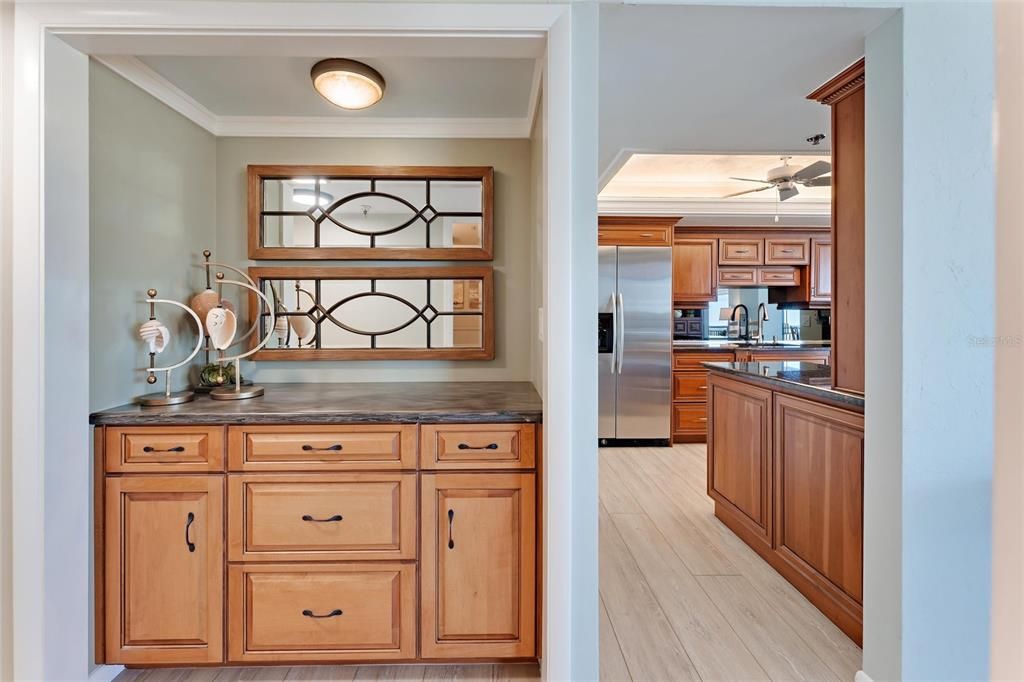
(786, 473)
(362, 541)
(477, 571)
(164, 569)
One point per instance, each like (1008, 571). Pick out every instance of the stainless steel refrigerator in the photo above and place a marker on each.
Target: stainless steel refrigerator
(634, 344)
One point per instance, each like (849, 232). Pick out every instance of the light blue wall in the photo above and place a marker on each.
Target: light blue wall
(948, 325)
(153, 203)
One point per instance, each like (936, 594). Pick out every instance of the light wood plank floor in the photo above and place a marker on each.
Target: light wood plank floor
(681, 597)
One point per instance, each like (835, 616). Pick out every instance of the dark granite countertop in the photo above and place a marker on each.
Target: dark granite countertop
(721, 344)
(309, 403)
(804, 379)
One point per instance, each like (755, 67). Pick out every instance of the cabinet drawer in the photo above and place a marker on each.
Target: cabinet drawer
(164, 449)
(740, 252)
(687, 360)
(787, 251)
(690, 386)
(321, 612)
(737, 277)
(635, 236)
(779, 276)
(689, 418)
(322, 517)
(322, 448)
(477, 446)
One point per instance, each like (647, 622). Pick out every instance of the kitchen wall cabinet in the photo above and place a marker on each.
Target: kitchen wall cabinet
(694, 270)
(782, 251)
(164, 568)
(813, 289)
(844, 95)
(477, 585)
(741, 252)
(340, 544)
(635, 231)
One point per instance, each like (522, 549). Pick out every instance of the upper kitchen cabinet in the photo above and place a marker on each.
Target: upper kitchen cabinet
(844, 94)
(694, 270)
(371, 212)
(814, 289)
(635, 231)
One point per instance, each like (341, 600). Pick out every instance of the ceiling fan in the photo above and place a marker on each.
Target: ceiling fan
(786, 177)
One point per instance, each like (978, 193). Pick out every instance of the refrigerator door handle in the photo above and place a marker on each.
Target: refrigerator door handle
(621, 329)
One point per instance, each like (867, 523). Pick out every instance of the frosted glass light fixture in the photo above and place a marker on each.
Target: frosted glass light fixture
(347, 83)
(306, 197)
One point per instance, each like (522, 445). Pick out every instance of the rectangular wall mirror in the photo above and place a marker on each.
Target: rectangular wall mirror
(378, 313)
(370, 212)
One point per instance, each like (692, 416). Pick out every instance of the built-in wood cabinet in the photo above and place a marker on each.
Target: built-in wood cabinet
(477, 572)
(813, 288)
(164, 568)
(635, 231)
(695, 270)
(819, 499)
(786, 474)
(741, 252)
(786, 251)
(739, 452)
(339, 543)
(844, 95)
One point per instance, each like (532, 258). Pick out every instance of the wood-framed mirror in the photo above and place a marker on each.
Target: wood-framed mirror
(377, 312)
(370, 212)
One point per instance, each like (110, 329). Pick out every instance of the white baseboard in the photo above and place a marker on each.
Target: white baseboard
(862, 676)
(105, 673)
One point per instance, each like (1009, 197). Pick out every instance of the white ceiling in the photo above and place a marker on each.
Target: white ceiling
(719, 79)
(435, 87)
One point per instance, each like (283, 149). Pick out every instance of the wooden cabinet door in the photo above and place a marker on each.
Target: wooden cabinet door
(821, 270)
(478, 592)
(739, 454)
(819, 498)
(694, 270)
(164, 570)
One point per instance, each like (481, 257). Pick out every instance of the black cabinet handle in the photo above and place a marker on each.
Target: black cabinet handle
(336, 517)
(177, 448)
(309, 614)
(188, 524)
(467, 446)
(451, 520)
(335, 448)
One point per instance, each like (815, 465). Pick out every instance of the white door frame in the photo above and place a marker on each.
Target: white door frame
(570, 439)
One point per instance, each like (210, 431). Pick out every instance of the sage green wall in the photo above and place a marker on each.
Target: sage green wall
(513, 245)
(153, 205)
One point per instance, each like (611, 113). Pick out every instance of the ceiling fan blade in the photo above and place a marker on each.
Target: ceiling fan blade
(822, 181)
(749, 180)
(787, 193)
(748, 191)
(814, 170)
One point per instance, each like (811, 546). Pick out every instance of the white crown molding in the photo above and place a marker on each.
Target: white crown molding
(535, 86)
(137, 72)
(713, 207)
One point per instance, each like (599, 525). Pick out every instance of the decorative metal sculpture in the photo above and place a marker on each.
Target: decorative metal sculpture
(158, 336)
(223, 342)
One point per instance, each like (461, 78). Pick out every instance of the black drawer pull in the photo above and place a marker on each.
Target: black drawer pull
(467, 446)
(188, 524)
(309, 614)
(177, 448)
(336, 447)
(336, 517)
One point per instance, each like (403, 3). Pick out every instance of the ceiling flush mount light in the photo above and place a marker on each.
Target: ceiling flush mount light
(347, 83)
(307, 197)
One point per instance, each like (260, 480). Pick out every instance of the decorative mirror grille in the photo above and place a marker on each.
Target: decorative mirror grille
(370, 212)
(378, 313)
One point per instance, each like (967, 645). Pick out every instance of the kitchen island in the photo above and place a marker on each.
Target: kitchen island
(689, 376)
(320, 523)
(785, 469)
